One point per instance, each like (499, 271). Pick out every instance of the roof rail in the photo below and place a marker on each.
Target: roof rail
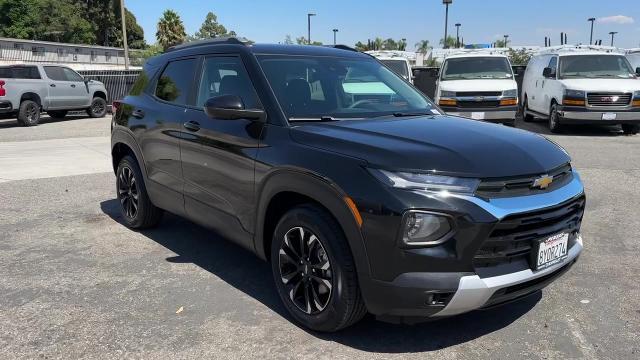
(578, 48)
(487, 51)
(341, 47)
(212, 41)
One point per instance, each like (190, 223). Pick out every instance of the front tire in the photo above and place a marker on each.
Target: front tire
(314, 271)
(98, 108)
(29, 113)
(525, 111)
(135, 206)
(554, 119)
(630, 129)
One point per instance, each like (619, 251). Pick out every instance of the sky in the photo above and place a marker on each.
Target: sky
(526, 22)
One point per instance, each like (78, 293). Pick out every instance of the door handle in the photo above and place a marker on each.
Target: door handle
(192, 125)
(138, 114)
(52, 85)
(73, 85)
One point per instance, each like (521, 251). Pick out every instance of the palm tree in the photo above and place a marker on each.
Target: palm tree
(423, 46)
(449, 43)
(170, 30)
(402, 44)
(377, 44)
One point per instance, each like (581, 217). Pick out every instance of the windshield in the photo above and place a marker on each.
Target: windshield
(317, 87)
(476, 68)
(397, 66)
(595, 66)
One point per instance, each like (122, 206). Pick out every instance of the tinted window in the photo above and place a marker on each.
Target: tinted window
(71, 75)
(226, 76)
(175, 81)
(55, 73)
(476, 68)
(397, 66)
(20, 72)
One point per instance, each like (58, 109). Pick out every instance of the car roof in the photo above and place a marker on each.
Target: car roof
(476, 54)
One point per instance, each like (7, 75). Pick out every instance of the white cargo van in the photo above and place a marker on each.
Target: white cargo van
(478, 85)
(394, 61)
(582, 85)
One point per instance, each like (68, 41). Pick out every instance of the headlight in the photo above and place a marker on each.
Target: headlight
(447, 94)
(425, 228)
(510, 93)
(574, 93)
(429, 182)
(636, 95)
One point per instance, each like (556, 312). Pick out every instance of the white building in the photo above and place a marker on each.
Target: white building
(76, 56)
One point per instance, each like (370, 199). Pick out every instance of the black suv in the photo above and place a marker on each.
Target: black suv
(361, 193)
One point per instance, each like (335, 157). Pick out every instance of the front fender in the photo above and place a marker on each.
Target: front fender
(322, 190)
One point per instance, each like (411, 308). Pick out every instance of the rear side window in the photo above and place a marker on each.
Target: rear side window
(55, 73)
(20, 72)
(175, 81)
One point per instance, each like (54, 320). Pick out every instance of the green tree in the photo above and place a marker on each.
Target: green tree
(377, 44)
(389, 44)
(519, 57)
(402, 44)
(449, 43)
(361, 46)
(301, 40)
(170, 30)
(288, 40)
(423, 46)
(212, 29)
(501, 43)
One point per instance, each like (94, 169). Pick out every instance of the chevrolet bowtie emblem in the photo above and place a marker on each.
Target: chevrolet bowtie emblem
(542, 182)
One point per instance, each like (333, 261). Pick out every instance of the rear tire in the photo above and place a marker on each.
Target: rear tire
(316, 278)
(554, 119)
(98, 108)
(135, 206)
(29, 113)
(630, 129)
(57, 114)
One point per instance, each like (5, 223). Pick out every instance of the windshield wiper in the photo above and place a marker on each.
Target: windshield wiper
(407, 114)
(318, 119)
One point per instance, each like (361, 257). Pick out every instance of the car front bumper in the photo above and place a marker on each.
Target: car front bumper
(453, 286)
(506, 114)
(572, 115)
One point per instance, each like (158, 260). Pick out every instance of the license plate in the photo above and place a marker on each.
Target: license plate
(477, 115)
(552, 250)
(609, 116)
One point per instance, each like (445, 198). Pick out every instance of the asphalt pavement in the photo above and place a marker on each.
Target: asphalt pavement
(76, 283)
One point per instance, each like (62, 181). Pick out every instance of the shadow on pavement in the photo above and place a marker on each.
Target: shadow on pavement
(247, 273)
(542, 127)
(10, 121)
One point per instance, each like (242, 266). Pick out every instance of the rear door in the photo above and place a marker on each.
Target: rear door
(60, 94)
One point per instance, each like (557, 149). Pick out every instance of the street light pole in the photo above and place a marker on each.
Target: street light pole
(446, 20)
(458, 35)
(335, 31)
(592, 20)
(506, 41)
(124, 36)
(309, 15)
(612, 34)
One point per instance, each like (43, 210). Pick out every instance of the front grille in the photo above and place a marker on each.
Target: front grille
(479, 104)
(520, 186)
(478, 93)
(609, 99)
(513, 238)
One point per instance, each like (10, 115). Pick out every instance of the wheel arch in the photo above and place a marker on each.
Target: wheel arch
(122, 144)
(31, 96)
(286, 188)
(100, 94)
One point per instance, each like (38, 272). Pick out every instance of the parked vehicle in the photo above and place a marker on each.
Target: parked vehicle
(362, 203)
(478, 85)
(27, 90)
(398, 64)
(633, 55)
(581, 85)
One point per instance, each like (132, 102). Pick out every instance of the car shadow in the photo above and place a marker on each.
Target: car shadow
(247, 273)
(11, 121)
(541, 127)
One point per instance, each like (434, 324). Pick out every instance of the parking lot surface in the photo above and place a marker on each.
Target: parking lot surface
(75, 283)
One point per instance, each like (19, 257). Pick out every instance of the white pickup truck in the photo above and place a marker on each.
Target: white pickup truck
(27, 90)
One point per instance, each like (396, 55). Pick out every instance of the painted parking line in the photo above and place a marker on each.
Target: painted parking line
(39, 159)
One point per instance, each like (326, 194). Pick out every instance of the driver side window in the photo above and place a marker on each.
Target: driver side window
(553, 64)
(226, 76)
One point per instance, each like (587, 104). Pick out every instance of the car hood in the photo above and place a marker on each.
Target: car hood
(478, 85)
(451, 145)
(594, 85)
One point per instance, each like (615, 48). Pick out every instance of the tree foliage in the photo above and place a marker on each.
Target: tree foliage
(501, 43)
(380, 44)
(170, 30)
(423, 46)
(212, 29)
(450, 42)
(519, 56)
(95, 22)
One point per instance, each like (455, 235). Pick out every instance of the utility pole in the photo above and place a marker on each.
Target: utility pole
(506, 41)
(446, 20)
(309, 15)
(612, 33)
(335, 31)
(592, 20)
(458, 35)
(124, 36)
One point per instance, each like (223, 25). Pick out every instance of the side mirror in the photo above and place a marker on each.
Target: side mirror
(547, 72)
(230, 107)
(638, 71)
